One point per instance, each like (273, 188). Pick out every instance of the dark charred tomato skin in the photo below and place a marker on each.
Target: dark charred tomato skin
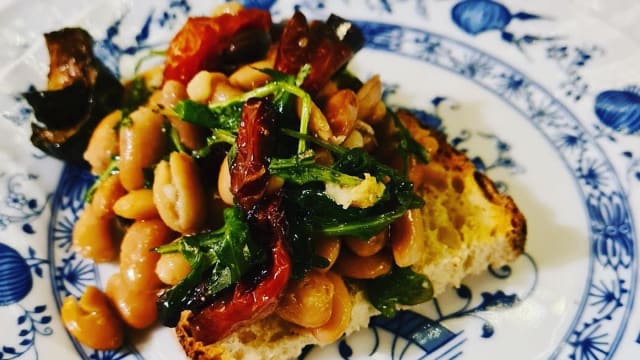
(317, 45)
(250, 301)
(198, 45)
(255, 141)
(328, 56)
(294, 42)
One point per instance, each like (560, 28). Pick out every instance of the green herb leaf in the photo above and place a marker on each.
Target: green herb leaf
(218, 259)
(302, 169)
(217, 136)
(364, 227)
(279, 76)
(331, 219)
(226, 117)
(400, 286)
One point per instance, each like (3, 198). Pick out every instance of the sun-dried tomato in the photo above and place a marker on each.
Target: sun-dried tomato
(202, 40)
(250, 301)
(327, 47)
(255, 142)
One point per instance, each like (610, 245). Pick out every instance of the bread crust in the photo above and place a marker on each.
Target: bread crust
(469, 225)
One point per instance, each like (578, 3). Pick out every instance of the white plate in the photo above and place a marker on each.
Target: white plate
(540, 94)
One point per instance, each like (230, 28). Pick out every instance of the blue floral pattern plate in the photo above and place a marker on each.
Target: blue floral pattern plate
(543, 96)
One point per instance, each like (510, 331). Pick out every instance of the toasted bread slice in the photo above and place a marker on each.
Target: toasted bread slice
(468, 226)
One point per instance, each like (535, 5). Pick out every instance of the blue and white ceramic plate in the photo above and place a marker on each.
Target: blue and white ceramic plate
(544, 96)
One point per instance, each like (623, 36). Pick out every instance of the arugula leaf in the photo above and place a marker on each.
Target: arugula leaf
(330, 219)
(217, 136)
(218, 259)
(226, 117)
(363, 227)
(296, 80)
(400, 286)
(333, 220)
(281, 90)
(302, 169)
(278, 76)
(281, 99)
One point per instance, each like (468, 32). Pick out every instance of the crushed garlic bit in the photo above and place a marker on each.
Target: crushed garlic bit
(363, 195)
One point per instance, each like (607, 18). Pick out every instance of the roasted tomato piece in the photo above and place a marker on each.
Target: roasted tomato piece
(256, 296)
(293, 49)
(327, 47)
(252, 299)
(255, 142)
(202, 41)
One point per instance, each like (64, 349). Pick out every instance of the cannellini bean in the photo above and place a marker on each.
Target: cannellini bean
(136, 205)
(231, 7)
(365, 128)
(137, 258)
(354, 140)
(307, 302)
(178, 193)
(191, 136)
(248, 77)
(318, 123)
(369, 96)
(379, 112)
(200, 88)
(224, 182)
(224, 92)
(153, 77)
(142, 144)
(340, 313)
(367, 247)
(94, 236)
(328, 248)
(108, 192)
(172, 268)
(363, 267)
(136, 307)
(103, 144)
(210, 87)
(92, 320)
(407, 238)
(341, 111)
(368, 135)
